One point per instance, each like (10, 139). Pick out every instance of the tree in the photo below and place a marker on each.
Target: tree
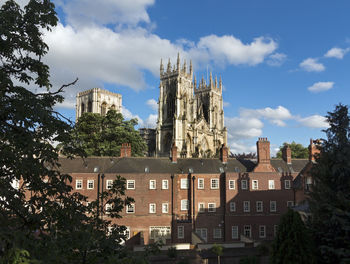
(250, 155)
(103, 135)
(293, 243)
(330, 195)
(218, 251)
(298, 151)
(41, 219)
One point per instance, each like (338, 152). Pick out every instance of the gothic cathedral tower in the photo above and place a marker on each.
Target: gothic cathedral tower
(190, 117)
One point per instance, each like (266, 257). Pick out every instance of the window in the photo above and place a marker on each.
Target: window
(126, 233)
(165, 184)
(231, 184)
(217, 233)
(244, 184)
(202, 233)
(152, 208)
(109, 184)
(271, 184)
(262, 231)
(108, 208)
(152, 184)
(165, 208)
(159, 232)
(287, 184)
(247, 231)
(273, 206)
(201, 207)
(184, 184)
(246, 206)
(90, 184)
(200, 183)
(130, 184)
(232, 207)
(234, 232)
(259, 206)
(214, 183)
(211, 207)
(180, 232)
(290, 203)
(275, 229)
(255, 184)
(184, 205)
(130, 208)
(79, 184)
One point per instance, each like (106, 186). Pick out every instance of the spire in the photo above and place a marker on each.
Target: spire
(191, 69)
(216, 82)
(210, 80)
(169, 66)
(202, 82)
(185, 67)
(195, 82)
(161, 67)
(220, 84)
(178, 61)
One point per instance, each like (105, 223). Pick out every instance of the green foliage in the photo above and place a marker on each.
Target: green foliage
(217, 249)
(298, 151)
(172, 252)
(103, 135)
(248, 260)
(293, 243)
(330, 195)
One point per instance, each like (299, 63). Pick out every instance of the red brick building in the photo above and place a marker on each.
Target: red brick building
(221, 200)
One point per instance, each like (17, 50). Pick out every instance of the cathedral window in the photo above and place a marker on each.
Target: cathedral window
(82, 108)
(90, 107)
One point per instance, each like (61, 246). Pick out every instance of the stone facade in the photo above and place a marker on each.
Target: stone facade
(149, 136)
(190, 116)
(97, 100)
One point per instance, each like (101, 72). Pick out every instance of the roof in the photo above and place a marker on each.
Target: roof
(164, 165)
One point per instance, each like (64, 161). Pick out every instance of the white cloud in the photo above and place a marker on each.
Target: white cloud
(276, 59)
(151, 121)
(337, 53)
(243, 127)
(128, 115)
(312, 65)
(225, 104)
(152, 104)
(238, 147)
(275, 116)
(320, 87)
(314, 121)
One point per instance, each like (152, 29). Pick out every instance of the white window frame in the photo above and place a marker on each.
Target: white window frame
(271, 184)
(234, 232)
(287, 184)
(180, 232)
(214, 183)
(165, 208)
(152, 208)
(202, 233)
(217, 233)
(231, 184)
(165, 184)
(211, 207)
(109, 184)
(159, 232)
(130, 206)
(259, 209)
(88, 184)
(127, 232)
(244, 184)
(262, 231)
(200, 183)
(184, 184)
(79, 184)
(201, 207)
(246, 206)
(152, 184)
(184, 205)
(273, 206)
(247, 228)
(255, 185)
(108, 207)
(232, 206)
(130, 182)
(290, 204)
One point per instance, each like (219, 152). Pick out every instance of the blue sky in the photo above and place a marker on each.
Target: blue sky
(284, 64)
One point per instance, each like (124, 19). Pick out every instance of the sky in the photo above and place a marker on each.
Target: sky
(284, 64)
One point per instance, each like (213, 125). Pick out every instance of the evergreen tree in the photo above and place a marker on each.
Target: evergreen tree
(298, 151)
(293, 243)
(330, 195)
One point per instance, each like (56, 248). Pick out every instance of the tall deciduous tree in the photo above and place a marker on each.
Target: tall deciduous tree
(298, 151)
(330, 195)
(103, 135)
(293, 243)
(40, 217)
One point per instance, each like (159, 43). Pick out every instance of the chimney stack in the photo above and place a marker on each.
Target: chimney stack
(125, 150)
(263, 150)
(287, 154)
(313, 150)
(224, 154)
(173, 152)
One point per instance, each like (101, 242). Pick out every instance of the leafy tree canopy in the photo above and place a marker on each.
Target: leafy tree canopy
(103, 135)
(293, 243)
(330, 195)
(298, 151)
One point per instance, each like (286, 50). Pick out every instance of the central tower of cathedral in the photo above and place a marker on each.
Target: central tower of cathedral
(189, 116)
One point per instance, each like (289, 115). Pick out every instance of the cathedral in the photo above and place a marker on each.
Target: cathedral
(190, 116)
